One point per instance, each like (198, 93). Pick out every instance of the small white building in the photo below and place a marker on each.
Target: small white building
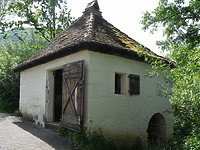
(91, 75)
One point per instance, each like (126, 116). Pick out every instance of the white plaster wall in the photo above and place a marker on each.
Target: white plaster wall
(36, 88)
(123, 116)
(120, 116)
(32, 86)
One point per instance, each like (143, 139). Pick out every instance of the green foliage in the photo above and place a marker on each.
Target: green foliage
(18, 113)
(30, 119)
(186, 87)
(181, 25)
(10, 56)
(48, 17)
(8, 106)
(28, 38)
(60, 130)
(90, 140)
(181, 22)
(193, 142)
(4, 3)
(95, 140)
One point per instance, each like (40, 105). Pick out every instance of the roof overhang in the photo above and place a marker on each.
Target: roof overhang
(90, 46)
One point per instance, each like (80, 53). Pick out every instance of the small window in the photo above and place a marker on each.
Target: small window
(120, 83)
(134, 84)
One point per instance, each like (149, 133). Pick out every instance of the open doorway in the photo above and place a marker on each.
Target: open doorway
(157, 131)
(57, 95)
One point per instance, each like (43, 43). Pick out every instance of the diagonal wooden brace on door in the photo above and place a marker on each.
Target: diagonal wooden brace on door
(72, 95)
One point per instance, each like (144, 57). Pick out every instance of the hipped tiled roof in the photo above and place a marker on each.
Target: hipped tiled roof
(91, 31)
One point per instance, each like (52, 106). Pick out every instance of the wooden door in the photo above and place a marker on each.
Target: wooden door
(72, 95)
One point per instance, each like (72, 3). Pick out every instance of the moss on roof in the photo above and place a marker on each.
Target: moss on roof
(90, 31)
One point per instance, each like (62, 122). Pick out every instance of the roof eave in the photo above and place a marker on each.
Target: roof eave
(91, 46)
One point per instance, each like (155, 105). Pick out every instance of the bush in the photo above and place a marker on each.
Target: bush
(95, 140)
(18, 113)
(61, 131)
(192, 142)
(91, 140)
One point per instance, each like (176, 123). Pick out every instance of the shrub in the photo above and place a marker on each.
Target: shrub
(18, 113)
(61, 131)
(95, 140)
(192, 142)
(91, 140)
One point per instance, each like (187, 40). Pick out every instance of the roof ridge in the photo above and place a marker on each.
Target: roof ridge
(91, 10)
(89, 36)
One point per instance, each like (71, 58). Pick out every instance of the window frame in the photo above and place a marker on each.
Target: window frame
(118, 86)
(121, 85)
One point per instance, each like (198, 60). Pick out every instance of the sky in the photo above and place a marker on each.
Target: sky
(124, 15)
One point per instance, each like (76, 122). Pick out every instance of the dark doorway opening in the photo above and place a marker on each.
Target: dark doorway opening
(157, 131)
(57, 95)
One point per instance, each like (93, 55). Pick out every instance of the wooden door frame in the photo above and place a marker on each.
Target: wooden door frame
(50, 97)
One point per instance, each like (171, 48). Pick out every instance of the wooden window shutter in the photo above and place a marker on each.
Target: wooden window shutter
(72, 95)
(134, 84)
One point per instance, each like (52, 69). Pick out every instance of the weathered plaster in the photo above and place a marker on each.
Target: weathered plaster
(37, 88)
(120, 116)
(124, 116)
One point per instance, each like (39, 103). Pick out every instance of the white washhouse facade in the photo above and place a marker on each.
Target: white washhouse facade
(121, 116)
(91, 76)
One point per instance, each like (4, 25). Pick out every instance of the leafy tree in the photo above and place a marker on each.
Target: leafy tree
(181, 22)
(10, 56)
(48, 17)
(28, 38)
(181, 26)
(4, 3)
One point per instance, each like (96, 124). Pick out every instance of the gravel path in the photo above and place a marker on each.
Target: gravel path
(19, 134)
